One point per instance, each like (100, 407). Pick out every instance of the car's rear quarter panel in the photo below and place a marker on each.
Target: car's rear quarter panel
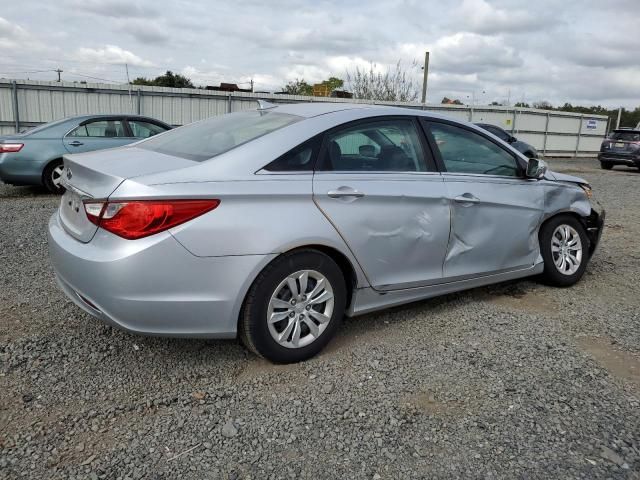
(265, 215)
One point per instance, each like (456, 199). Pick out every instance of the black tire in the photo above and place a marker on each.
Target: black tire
(552, 274)
(51, 172)
(606, 166)
(253, 327)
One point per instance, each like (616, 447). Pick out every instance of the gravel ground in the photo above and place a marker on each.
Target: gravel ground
(511, 381)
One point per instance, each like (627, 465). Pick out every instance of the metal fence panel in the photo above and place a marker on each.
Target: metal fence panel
(38, 102)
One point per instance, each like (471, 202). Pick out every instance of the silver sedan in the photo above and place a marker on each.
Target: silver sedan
(274, 223)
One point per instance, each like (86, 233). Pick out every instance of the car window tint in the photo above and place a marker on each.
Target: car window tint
(298, 159)
(100, 128)
(142, 129)
(626, 136)
(386, 145)
(464, 151)
(208, 138)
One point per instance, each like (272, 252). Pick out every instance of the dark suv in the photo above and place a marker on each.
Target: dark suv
(622, 147)
(522, 147)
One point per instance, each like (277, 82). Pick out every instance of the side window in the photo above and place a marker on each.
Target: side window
(142, 129)
(99, 128)
(299, 159)
(464, 151)
(384, 145)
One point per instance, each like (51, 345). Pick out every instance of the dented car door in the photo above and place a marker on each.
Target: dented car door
(377, 184)
(495, 210)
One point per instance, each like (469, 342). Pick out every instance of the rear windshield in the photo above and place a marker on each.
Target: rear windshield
(627, 136)
(203, 140)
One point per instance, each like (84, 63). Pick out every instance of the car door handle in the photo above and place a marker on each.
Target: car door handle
(467, 198)
(76, 143)
(345, 192)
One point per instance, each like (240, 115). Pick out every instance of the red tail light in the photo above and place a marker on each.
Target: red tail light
(10, 147)
(141, 218)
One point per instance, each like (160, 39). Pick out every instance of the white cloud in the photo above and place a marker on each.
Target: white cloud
(116, 8)
(480, 16)
(110, 54)
(544, 50)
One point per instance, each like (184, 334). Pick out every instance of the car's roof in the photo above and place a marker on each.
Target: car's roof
(363, 110)
(310, 109)
(626, 130)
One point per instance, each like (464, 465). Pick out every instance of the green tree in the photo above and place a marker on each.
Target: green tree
(298, 87)
(543, 105)
(334, 83)
(169, 79)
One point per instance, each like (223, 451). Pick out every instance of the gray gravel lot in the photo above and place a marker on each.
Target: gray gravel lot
(517, 380)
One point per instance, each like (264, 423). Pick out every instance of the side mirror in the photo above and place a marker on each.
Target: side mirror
(512, 139)
(536, 169)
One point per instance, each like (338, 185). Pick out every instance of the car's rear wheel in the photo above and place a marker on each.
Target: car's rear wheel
(294, 307)
(52, 177)
(606, 166)
(565, 250)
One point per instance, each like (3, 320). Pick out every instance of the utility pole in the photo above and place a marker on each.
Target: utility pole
(252, 85)
(619, 115)
(58, 71)
(424, 79)
(126, 68)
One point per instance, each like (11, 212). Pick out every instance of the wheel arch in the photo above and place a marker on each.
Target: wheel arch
(585, 221)
(344, 263)
(47, 164)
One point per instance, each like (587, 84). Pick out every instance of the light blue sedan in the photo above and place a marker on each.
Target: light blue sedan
(35, 157)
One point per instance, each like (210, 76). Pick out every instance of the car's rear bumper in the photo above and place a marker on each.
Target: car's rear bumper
(18, 171)
(153, 285)
(619, 159)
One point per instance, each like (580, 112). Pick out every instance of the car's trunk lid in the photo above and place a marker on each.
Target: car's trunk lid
(96, 175)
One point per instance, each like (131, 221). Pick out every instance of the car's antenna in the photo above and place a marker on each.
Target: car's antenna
(264, 105)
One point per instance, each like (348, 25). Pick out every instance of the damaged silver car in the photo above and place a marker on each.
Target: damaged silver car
(272, 224)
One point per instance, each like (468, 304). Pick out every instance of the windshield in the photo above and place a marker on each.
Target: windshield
(203, 140)
(627, 136)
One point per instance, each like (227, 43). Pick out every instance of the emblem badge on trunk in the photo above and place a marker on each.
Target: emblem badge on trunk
(69, 174)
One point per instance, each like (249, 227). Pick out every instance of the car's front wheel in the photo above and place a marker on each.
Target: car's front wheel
(294, 307)
(606, 166)
(52, 177)
(565, 250)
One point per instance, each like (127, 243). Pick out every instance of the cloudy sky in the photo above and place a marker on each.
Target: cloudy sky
(581, 51)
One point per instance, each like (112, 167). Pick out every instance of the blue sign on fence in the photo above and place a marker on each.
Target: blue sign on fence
(592, 124)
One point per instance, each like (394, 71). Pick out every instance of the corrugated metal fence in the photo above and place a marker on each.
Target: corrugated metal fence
(24, 104)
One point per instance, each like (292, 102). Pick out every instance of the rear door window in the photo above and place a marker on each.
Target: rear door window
(100, 128)
(391, 145)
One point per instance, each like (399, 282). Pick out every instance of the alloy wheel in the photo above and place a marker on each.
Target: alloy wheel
(300, 309)
(566, 249)
(56, 176)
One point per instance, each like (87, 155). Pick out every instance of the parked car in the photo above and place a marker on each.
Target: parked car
(621, 147)
(35, 157)
(528, 150)
(271, 224)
